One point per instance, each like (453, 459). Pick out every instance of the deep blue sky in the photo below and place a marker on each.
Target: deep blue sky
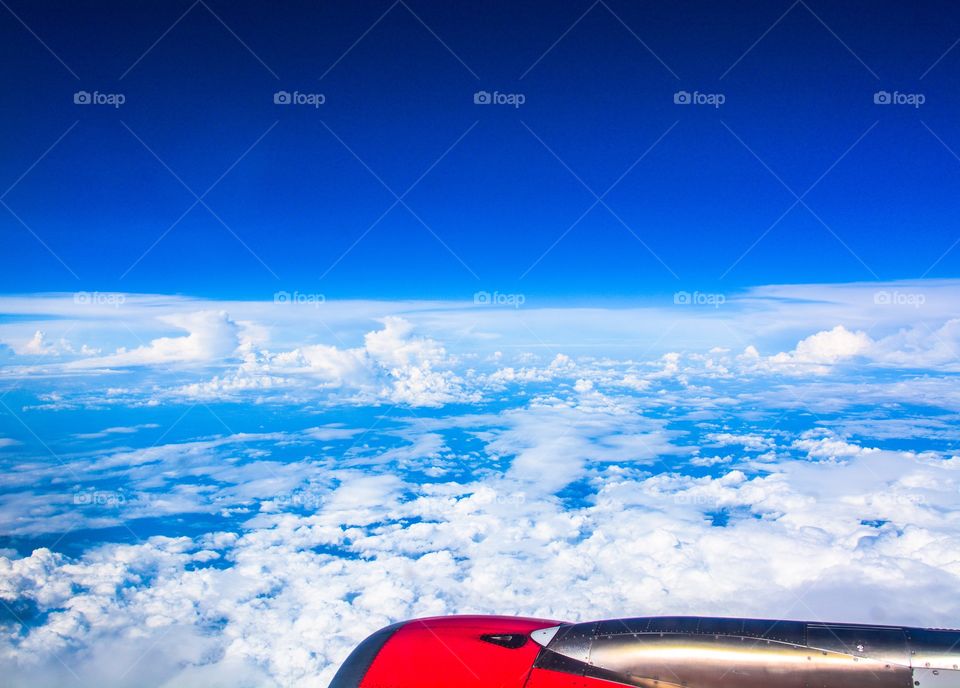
(499, 199)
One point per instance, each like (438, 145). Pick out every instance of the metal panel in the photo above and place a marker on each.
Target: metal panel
(934, 649)
(874, 642)
(710, 625)
(793, 632)
(619, 626)
(673, 624)
(574, 641)
(710, 661)
(936, 678)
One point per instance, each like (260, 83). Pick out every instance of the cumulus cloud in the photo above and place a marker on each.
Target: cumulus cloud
(286, 597)
(394, 364)
(211, 336)
(815, 327)
(920, 347)
(823, 349)
(823, 445)
(751, 441)
(40, 345)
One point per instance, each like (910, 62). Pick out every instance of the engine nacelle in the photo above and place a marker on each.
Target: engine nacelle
(651, 652)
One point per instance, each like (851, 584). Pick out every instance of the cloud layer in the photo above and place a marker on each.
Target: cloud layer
(233, 501)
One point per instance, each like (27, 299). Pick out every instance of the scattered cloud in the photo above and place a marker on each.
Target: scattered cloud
(117, 430)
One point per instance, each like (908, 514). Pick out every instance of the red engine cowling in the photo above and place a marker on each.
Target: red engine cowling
(442, 652)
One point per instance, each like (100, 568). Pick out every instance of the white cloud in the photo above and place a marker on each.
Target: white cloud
(116, 430)
(393, 365)
(212, 336)
(829, 321)
(922, 347)
(823, 349)
(819, 445)
(751, 441)
(39, 345)
(583, 386)
(919, 347)
(286, 608)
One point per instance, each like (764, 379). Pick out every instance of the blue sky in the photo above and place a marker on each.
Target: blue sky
(798, 105)
(274, 375)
